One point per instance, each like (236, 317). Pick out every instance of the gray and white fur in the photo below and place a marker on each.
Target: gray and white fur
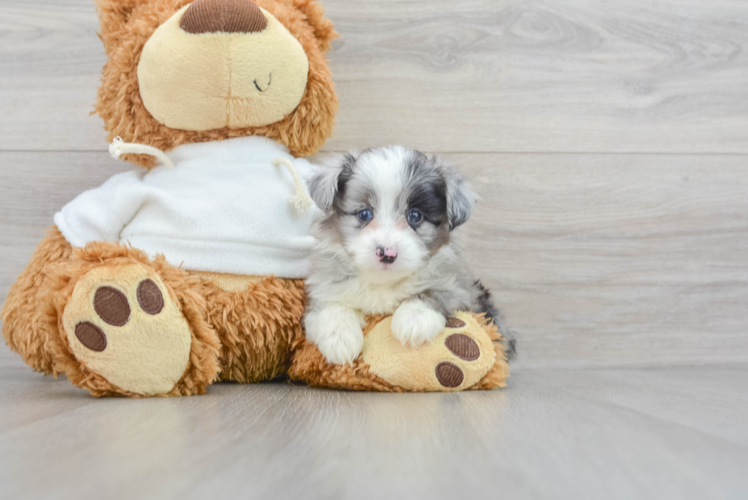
(390, 242)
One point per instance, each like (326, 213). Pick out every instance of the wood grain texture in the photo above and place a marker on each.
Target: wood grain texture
(33, 187)
(537, 76)
(596, 260)
(474, 75)
(622, 259)
(614, 434)
(50, 62)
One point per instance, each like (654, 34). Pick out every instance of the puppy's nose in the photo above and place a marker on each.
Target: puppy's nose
(386, 255)
(223, 16)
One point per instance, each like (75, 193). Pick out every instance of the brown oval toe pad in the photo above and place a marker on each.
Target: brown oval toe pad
(463, 347)
(449, 375)
(111, 305)
(455, 323)
(91, 336)
(150, 298)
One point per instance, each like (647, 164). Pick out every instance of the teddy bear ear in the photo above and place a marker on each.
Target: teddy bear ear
(114, 16)
(323, 27)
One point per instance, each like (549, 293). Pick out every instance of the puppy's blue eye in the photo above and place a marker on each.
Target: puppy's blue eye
(365, 215)
(415, 217)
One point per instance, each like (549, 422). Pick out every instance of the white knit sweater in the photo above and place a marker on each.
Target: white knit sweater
(223, 208)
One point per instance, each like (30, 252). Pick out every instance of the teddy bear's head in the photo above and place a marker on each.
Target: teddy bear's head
(183, 71)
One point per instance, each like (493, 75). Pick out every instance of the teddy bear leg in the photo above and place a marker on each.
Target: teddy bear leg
(466, 355)
(112, 320)
(257, 320)
(133, 326)
(29, 314)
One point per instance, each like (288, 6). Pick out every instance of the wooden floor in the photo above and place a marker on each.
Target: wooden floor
(614, 434)
(609, 141)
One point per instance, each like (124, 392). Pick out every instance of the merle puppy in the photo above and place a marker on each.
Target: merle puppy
(390, 243)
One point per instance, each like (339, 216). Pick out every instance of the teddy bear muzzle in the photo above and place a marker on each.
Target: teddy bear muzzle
(222, 64)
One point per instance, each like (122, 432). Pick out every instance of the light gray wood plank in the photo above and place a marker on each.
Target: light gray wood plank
(475, 75)
(50, 66)
(535, 76)
(597, 260)
(622, 259)
(704, 400)
(551, 434)
(33, 187)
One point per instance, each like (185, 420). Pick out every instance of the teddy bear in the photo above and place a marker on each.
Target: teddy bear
(190, 268)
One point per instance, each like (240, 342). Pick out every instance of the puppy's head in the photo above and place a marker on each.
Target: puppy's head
(391, 208)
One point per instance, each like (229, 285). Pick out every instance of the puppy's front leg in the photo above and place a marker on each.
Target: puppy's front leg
(416, 321)
(336, 331)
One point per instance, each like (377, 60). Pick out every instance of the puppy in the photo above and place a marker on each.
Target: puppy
(390, 242)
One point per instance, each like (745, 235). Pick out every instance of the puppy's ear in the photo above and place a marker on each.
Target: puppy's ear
(461, 198)
(330, 179)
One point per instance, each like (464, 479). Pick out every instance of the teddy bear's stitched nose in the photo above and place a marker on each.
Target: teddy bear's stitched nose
(223, 16)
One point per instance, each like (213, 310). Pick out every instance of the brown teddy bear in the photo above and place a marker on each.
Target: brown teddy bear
(190, 269)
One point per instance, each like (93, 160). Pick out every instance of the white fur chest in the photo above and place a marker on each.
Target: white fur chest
(378, 298)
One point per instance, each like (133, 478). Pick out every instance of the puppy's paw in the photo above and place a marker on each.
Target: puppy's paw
(337, 333)
(414, 323)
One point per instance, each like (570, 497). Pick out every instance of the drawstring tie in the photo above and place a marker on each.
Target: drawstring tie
(118, 148)
(300, 200)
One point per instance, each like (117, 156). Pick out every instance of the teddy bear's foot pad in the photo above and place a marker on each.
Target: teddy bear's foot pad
(457, 359)
(122, 324)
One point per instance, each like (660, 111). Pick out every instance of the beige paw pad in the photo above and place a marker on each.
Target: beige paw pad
(122, 324)
(457, 358)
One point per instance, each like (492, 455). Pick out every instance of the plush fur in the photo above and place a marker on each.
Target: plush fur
(256, 326)
(126, 25)
(29, 314)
